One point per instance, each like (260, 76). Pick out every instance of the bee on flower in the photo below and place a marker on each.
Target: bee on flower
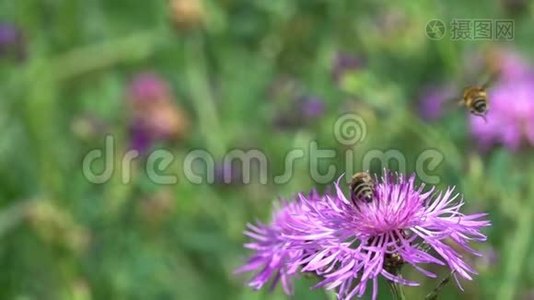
(350, 245)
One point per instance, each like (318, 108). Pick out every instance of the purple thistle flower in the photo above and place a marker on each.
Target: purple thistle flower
(510, 119)
(358, 241)
(273, 252)
(350, 245)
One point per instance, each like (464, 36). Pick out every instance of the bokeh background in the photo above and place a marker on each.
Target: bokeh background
(248, 74)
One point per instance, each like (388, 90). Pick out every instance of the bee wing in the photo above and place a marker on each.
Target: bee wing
(451, 103)
(455, 100)
(491, 80)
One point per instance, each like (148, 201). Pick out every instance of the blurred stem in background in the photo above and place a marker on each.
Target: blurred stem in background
(516, 249)
(41, 114)
(42, 79)
(516, 252)
(202, 97)
(135, 47)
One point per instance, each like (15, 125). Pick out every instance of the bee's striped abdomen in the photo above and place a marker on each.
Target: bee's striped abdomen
(362, 188)
(480, 105)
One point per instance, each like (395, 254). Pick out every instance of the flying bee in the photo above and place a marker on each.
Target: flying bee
(475, 98)
(362, 188)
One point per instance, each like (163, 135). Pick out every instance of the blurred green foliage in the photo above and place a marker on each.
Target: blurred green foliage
(62, 237)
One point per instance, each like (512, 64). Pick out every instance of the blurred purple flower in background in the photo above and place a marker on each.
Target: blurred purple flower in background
(510, 64)
(348, 245)
(510, 120)
(433, 101)
(154, 114)
(146, 88)
(140, 137)
(12, 41)
(311, 107)
(302, 111)
(344, 63)
(294, 106)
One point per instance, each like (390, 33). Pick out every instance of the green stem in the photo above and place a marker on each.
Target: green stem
(433, 295)
(204, 104)
(516, 255)
(83, 60)
(396, 290)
